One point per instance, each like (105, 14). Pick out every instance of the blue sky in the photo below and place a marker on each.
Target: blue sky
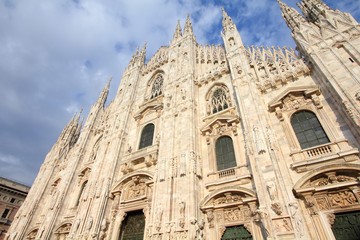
(56, 56)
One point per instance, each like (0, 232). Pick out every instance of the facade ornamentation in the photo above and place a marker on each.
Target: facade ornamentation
(202, 141)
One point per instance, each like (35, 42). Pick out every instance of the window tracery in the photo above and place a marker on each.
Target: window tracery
(219, 100)
(157, 87)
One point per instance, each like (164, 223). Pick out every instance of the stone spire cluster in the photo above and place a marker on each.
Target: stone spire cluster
(292, 17)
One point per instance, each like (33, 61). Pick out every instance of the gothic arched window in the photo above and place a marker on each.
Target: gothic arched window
(225, 155)
(157, 87)
(81, 193)
(308, 129)
(219, 100)
(147, 135)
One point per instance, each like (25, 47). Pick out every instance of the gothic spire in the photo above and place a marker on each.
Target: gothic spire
(292, 17)
(188, 30)
(71, 132)
(104, 93)
(178, 31)
(313, 9)
(142, 53)
(227, 22)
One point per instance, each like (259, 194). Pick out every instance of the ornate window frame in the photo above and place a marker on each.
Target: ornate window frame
(216, 126)
(210, 101)
(155, 86)
(308, 98)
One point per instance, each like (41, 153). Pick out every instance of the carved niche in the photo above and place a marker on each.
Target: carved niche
(32, 234)
(63, 231)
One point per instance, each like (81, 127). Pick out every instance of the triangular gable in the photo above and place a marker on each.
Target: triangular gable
(227, 119)
(147, 108)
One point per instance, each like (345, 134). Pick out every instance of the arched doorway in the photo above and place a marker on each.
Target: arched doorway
(231, 214)
(331, 195)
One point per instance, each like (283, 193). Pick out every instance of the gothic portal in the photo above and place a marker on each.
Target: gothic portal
(214, 142)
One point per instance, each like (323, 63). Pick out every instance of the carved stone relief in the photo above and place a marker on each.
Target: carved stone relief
(282, 225)
(228, 198)
(135, 189)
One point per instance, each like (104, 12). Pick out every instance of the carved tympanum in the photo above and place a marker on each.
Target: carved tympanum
(228, 198)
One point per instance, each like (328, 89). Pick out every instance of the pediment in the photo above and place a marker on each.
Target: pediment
(305, 91)
(220, 122)
(328, 177)
(150, 106)
(141, 176)
(228, 196)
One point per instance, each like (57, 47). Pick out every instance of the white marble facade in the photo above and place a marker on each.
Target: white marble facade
(192, 97)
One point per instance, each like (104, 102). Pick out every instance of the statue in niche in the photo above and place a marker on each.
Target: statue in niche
(210, 218)
(159, 213)
(294, 213)
(272, 190)
(200, 230)
(89, 224)
(182, 206)
(103, 228)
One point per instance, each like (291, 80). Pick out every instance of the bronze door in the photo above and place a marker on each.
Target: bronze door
(236, 233)
(133, 226)
(347, 226)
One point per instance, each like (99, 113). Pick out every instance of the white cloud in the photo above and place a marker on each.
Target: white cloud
(56, 56)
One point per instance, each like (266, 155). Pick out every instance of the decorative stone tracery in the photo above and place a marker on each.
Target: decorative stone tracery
(63, 231)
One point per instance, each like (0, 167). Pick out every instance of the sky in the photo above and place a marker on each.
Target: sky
(56, 56)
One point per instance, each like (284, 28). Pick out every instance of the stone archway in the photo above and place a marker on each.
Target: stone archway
(231, 208)
(131, 194)
(327, 193)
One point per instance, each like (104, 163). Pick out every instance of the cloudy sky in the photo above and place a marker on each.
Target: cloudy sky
(56, 56)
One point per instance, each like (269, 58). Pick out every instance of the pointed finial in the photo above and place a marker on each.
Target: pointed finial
(291, 16)
(224, 12)
(104, 93)
(227, 22)
(143, 50)
(178, 31)
(188, 30)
